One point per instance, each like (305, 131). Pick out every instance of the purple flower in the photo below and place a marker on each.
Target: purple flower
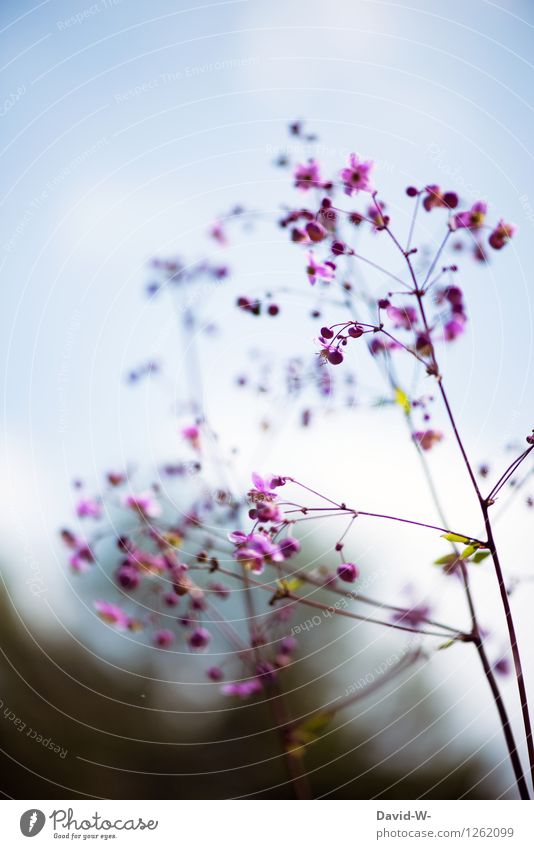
(242, 689)
(192, 435)
(263, 487)
(356, 177)
(163, 638)
(112, 614)
(501, 234)
(426, 439)
(143, 503)
(319, 270)
(307, 176)
(413, 616)
(348, 572)
(472, 219)
(128, 577)
(199, 638)
(89, 508)
(405, 317)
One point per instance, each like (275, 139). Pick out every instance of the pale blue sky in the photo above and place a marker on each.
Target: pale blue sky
(127, 126)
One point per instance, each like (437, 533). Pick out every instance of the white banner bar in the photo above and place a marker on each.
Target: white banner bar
(262, 824)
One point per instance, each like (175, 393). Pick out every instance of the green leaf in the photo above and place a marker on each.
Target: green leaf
(480, 556)
(467, 552)
(456, 538)
(446, 645)
(447, 558)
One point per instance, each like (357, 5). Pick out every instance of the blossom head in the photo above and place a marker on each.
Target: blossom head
(199, 638)
(319, 270)
(307, 176)
(348, 572)
(89, 508)
(163, 638)
(143, 503)
(112, 614)
(472, 219)
(501, 234)
(191, 434)
(357, 176)
(426, 439)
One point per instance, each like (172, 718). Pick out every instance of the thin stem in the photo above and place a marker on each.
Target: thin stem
(498, 571)
(513, 640)
(509, 472)
(499, 703)
(281, 716)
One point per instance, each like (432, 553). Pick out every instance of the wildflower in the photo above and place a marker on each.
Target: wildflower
(199, 638)
(404, 317)
(319, 270)
(255, 550)
(357, 176)
(216, 232)
(215, 673)
(426, 439)
(242, 689)
(171, 599)
(89, 508)
(453, 328)
(315, 231)
(307, 176)
(288, 547)
(348, 572)
(81, 556)
(413, 616)
(115, 478)
(263, 487)
(143, 503)
(376, 216)
(163, 638)
(128, 577)
(502, 666)
(501, 234)
(434, 198)
(472, 219)
(192, 435)
(112, 614)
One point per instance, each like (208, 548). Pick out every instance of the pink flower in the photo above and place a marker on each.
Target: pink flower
(413, 616)
(112, 614)
(242, 689)
(199, 638)
(81, 556)
(143, 503)
(404, 317)
(427, 438)
(128, 577)
(307, 176)
(255, 550)
(375, 213)
(501, 235)
(472, 219)
(453, 328)
(192, 435)
(263, 486)
(319, 270)
(436, 198)
(348, 572)
(356, 177)
(216, 232)
(330, 353)
(89, 508)
(163, 638)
